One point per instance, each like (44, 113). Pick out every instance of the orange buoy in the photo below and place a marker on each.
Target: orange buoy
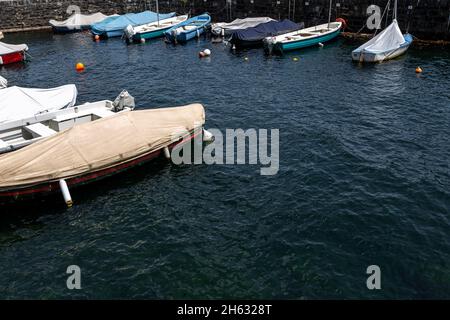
(97, 37)
(419, 70)
(79, 66)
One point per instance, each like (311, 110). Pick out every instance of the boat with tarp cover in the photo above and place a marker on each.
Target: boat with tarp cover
(253, 37)
(77, 22)
(11, 53)
(114, 26)
(96, 150)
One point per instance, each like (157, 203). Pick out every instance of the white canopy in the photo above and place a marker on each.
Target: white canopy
(3, 83)
(78, 20)
(389, 39)
(18, 103)
(238, 24)
(6, 48)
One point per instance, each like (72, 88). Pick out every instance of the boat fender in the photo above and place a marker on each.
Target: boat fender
(207, 136)
(65, 192)
(343, 21)
(198, 33)
(204, 53)
(166, 152)
(321, 44)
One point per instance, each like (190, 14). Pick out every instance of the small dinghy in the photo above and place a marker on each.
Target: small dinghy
(151, 30)
(92, 151)
(253, 37)
(225, 29)
(303, 38)
(77, 22)
(388, 44)
(20, 133)
(10, 53)
(18, 103)
(114, 26)
(188, 29)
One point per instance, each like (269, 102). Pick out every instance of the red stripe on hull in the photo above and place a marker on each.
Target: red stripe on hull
(13, 57)
(52, 187)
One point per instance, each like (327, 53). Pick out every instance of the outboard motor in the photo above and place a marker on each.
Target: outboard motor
(129, 33)
(123, 101)
(3, 83)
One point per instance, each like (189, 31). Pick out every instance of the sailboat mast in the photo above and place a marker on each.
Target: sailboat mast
(395, 10)
(329, 14)
(157, 10)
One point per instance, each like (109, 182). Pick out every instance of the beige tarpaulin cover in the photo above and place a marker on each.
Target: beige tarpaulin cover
(97, 145)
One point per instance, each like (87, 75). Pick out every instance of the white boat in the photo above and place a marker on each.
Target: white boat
(18, 103)
(77, 22)
(388, 44)
(152, 30)
(20, 133)
(225, 29)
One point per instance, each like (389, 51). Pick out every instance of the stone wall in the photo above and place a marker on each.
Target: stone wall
(426, 19)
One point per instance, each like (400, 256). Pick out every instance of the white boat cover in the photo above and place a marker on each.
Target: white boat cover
(238, 24)
(17, 103)
(389, 39)
(6, 48)
(98, 145)
(3, 83)
(77, 20)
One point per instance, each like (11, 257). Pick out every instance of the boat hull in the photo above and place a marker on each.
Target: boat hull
(201, 23)
(48, 188)
(283, 47)
(149, 35)
(372, 57)
(12, 57)
(61, 30)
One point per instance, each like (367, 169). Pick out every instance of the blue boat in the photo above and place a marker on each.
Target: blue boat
(114, 26)
(188, 29)
(303, 38)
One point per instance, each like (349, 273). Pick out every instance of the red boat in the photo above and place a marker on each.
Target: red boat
(10, 53)
(95, 150)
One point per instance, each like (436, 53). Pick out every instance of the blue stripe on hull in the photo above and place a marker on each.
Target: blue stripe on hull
(307, 42)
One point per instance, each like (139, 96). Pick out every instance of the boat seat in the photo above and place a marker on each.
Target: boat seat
(39, 130)
(103, 113)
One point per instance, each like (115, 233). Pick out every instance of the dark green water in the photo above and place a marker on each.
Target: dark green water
(364, 179)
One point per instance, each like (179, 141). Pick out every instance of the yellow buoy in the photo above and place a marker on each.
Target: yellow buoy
(79, 66)
(295, 59)
(419, 70)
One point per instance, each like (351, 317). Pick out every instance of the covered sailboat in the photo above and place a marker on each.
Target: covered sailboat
(10, 53)
(77, 22)
(388, 44)
(18, 103)
(114, 26)
(226, 29)
(254, 36)
(95, 150)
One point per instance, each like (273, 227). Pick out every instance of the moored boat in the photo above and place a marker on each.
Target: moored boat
(387, 45)
(96, 150)
(188, 29)
(17, 134)
(253, 37)
(11, 53)
(225, 29)
(77, 22)
(17, 103)
(303, 38)
(114, 26)
(152, 30)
